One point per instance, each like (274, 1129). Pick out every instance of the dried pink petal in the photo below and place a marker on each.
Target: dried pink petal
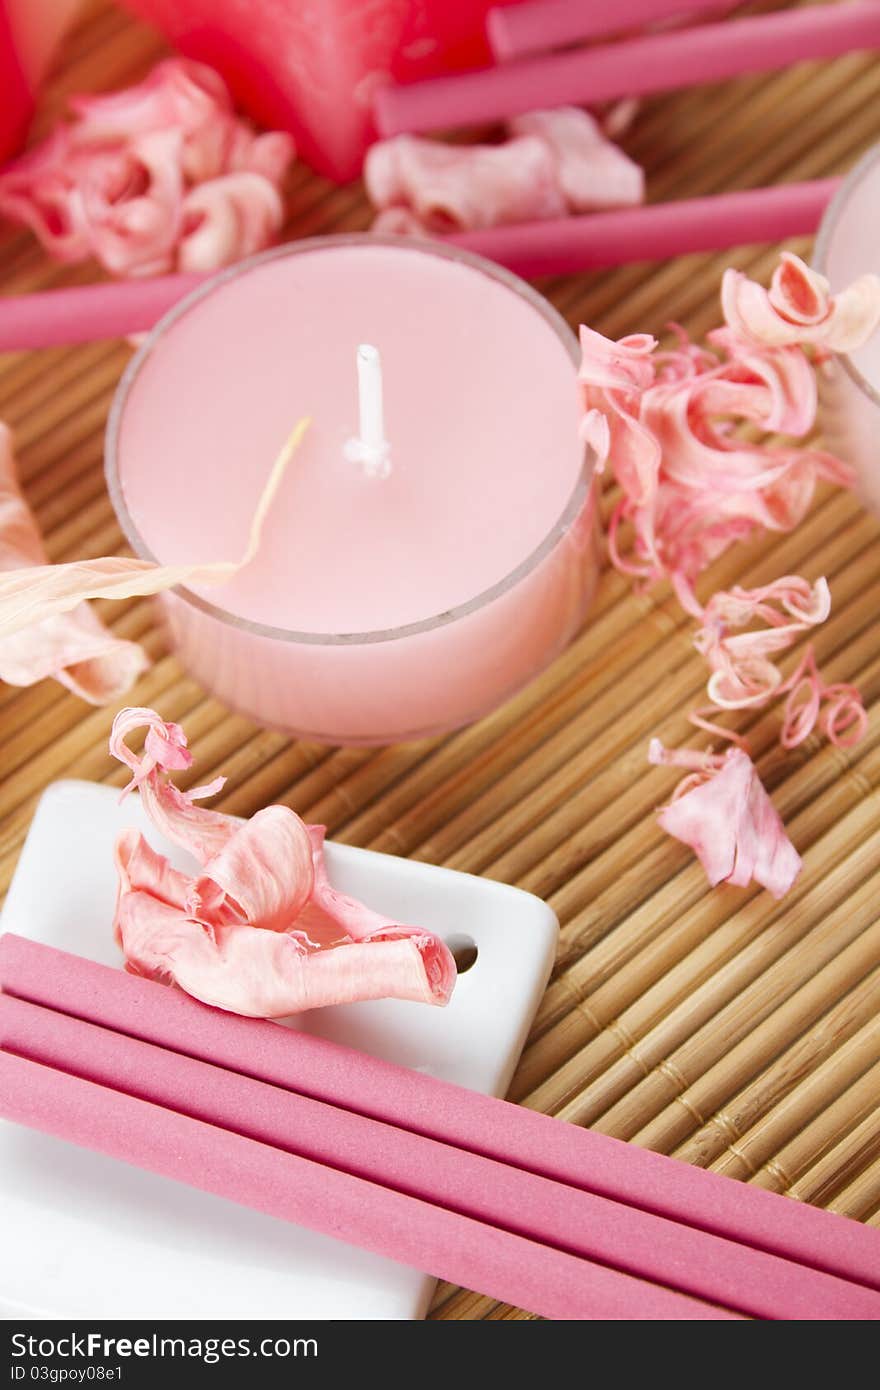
(690, 486)
(177, 95)
(75, 647)
(160, 176)
(799, 308)
(837, 709)
(742, 673)
(592, 172)
(227, 219)
(260, 931)
(37, 191)
(453, 187)
(132, 202)
(269, 153)
(555, 162)
(724, 814)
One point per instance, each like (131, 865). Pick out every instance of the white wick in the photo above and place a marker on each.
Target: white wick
(370, 448)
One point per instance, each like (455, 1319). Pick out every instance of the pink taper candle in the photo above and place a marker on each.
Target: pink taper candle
(634, 67)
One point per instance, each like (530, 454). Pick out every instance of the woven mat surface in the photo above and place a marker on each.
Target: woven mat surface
(735, 1032)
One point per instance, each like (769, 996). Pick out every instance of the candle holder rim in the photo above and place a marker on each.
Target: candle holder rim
(429, 246)
(827, 227)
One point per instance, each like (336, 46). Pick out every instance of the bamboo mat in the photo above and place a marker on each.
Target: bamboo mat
(720, 1026)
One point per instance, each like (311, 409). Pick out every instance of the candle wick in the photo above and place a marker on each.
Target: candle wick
(369, 447)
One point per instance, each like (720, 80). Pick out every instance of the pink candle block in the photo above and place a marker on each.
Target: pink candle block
(312, 68)
(849, 386)
(379, 607)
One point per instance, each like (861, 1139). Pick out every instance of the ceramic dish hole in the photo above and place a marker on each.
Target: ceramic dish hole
(464, 950)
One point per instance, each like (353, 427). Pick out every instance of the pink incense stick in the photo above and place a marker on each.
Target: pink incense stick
(568, 244)
(696, 1262)
(634, 67)
(86, 313)
(409, 1100)
(56, 318)
(503, 1265)
(517, 30)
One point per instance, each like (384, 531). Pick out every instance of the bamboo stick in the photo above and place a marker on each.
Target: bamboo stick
(629, 1052)
(689, 947)
(842, 1177)
(774, 1151)
(799, 1011)
(861, 1196)
(701, 1031)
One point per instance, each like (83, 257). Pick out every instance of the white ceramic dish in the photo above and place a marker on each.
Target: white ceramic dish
(85, 1235)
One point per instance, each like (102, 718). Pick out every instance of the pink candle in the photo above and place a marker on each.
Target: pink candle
(392, 597)
(849, 246)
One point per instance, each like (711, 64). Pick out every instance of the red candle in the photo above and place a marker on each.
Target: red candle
(30, 31)
(313, 68)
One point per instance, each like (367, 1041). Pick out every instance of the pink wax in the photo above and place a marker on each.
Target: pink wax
(361, 581)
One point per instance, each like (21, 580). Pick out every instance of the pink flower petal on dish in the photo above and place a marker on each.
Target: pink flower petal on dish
(266, 868)
(591, 170)
(261, 931)
(729, 821)
(75, 648)
(203, 833)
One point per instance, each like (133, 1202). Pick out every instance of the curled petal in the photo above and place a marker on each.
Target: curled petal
(37, 191)
(261, 931)
(202, 832)
(75, 647)
(113, 183)
(226, 219)
(591, 171)
(799, 308)
(555, 162)
(177, 95)
(729, 821)
(132, 202)
(270, 153)
(266, 868)
(836, 709)
(454, 187)
(266, 974)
